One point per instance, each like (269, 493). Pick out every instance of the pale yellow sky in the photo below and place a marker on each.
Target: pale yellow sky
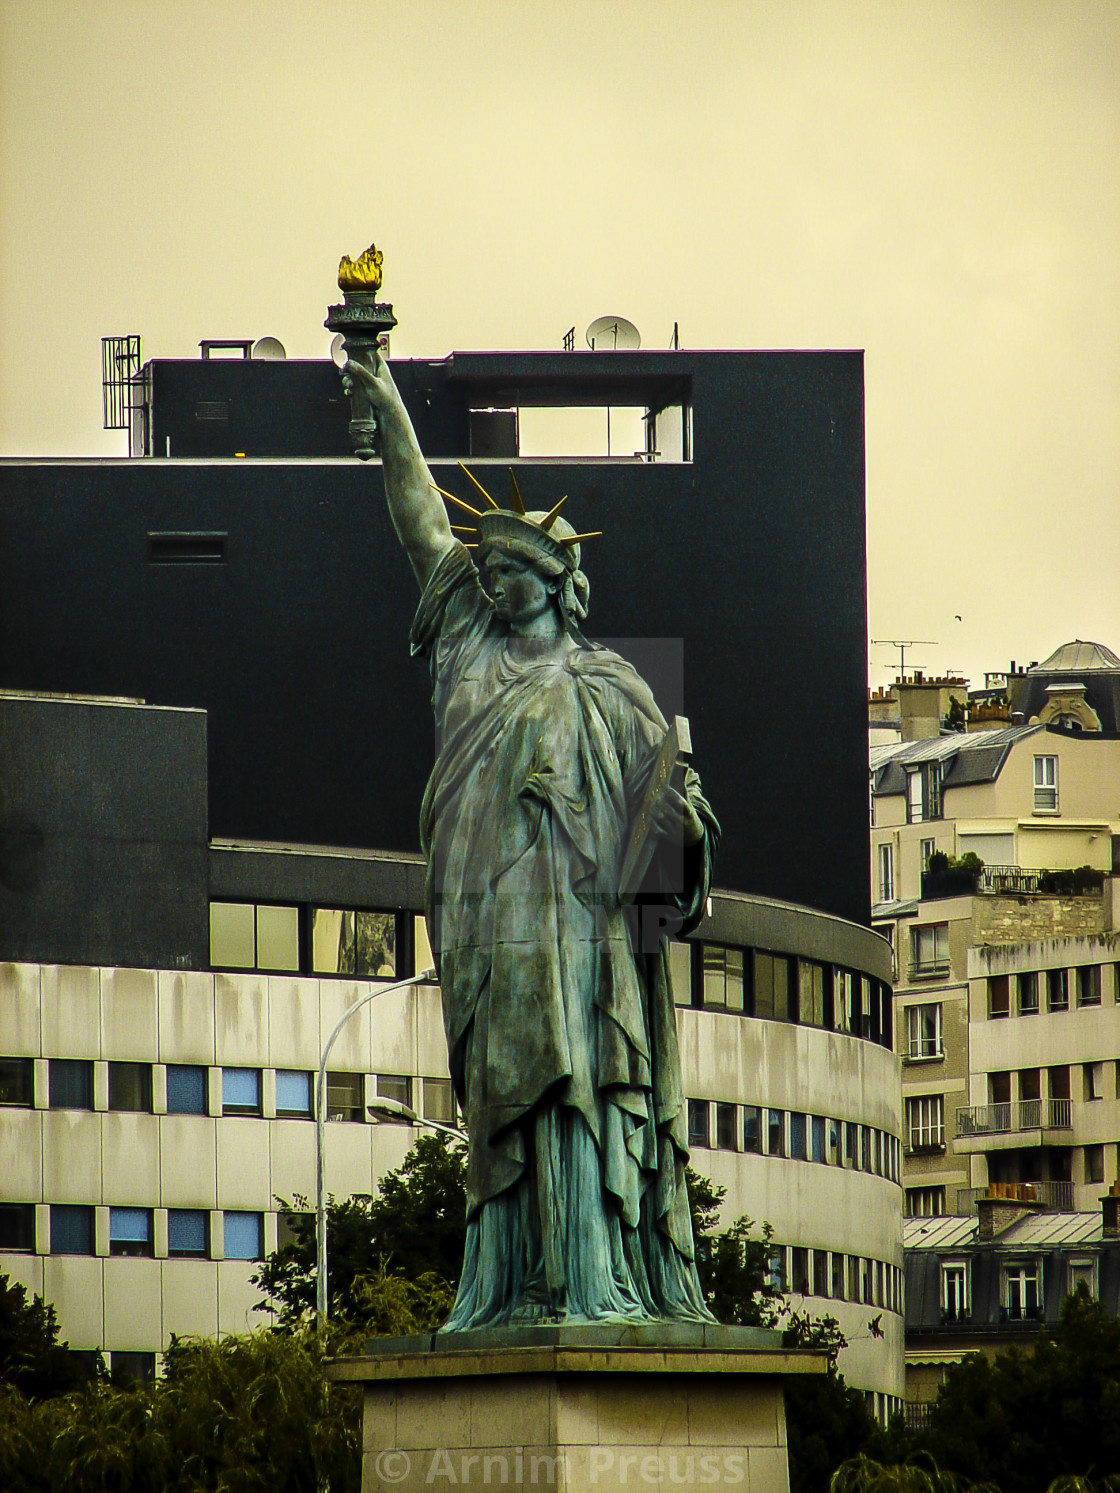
(936, 183)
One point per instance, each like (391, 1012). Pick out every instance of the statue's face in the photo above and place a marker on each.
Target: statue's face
(520, 593)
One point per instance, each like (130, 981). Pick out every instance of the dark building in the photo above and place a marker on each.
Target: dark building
(270, 591)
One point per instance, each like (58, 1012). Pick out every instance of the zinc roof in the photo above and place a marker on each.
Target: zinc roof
(1035, 1230)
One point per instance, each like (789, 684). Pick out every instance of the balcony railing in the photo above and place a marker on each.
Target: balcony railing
(919, 1414)
(1055, 1197)
(1018, 881)
(1020, 1313)
(1004, 1119)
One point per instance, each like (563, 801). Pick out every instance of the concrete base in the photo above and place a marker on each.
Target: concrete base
(575, 1416)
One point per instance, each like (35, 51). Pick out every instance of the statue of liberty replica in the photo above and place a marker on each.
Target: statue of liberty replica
(561, 1037)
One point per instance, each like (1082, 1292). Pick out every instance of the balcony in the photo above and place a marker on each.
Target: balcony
(1055, 1197)
(1000, 1126)
(1017, 881)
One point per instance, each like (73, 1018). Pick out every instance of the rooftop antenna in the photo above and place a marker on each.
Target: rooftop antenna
(902, 644)
(612, 334)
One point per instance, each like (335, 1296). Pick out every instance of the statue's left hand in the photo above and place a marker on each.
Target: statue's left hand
(674, 817)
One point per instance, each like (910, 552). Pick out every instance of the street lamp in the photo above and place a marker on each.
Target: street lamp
(393, 1109)
(428, 977)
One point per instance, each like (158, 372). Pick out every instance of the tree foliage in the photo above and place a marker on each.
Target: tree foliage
(1023, 1419)
(32, 1359)
(240, 1415)
(412, 1233)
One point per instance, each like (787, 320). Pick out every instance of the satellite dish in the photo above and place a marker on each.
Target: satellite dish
(271, 349)
(338, 352)
(613, 334)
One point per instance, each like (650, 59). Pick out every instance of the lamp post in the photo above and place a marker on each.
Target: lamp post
(393, 1109)
(428, 977)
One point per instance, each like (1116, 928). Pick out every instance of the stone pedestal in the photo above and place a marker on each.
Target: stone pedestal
(577, 1408)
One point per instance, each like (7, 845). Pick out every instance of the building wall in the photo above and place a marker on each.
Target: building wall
(218, 1163)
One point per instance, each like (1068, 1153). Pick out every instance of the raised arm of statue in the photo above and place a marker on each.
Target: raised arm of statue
(415, 507)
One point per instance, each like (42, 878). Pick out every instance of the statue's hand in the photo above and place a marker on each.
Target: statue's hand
(674, 817)
(376, 383)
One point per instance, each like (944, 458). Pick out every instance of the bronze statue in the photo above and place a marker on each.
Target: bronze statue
(560, 1026)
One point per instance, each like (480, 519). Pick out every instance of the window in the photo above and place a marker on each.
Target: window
(393, 1086)
(777, 1270)
(925, 850)
(17, 1227)
(867, 1281)
(923, 1032)
(70, 1082)
(186, 1089)
(293, 1095)
(1089, 985)
(865, 1148)
(1057, 989)
(294, 1228)
(188, 1233)
(348, 941)
(954, 1291)
(698, 1123)
(913, 796)
(726, 1128)
(723, 978)
(842, 998)
(817, 1152)
(232, 936)
(1028, 993)
(933, 790)
(680, 972)
(925, 1123)
(851, 1145)
(797, 1143)
(929, 949)
(241, 1091)
(853, 1277)
(771, 985)
(1094, 1080)
(244, 1236)
(71, 1229)
(1094, 1163)
(1046, 785)
(752, 1128)
(16, 1082)
(439, 1101)
(130, 1231)
(923, 793)
(886, 873)
(799, 1270)
(140, 1367)
(1021, 1297)
(246, 936)
(820, 1272)
(810, 993)
(837, 1277)
(130, 1087)
(834, 1128)
(1083, 1272)
(775, 1132)
(999, 997)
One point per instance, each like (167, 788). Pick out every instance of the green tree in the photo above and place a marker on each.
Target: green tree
(1023, 1419)
(240, 1415)
(414, 1231)
(32, 1359)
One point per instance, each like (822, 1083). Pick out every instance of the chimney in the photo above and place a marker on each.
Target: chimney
(1006, 1203)
(1110, 1212)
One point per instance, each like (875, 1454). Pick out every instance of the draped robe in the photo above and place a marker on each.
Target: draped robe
(560, 1026)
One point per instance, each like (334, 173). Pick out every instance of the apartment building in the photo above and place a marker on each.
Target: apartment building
(980, 953)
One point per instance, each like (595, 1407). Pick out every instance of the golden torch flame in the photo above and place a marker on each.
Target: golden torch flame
(363, 274)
